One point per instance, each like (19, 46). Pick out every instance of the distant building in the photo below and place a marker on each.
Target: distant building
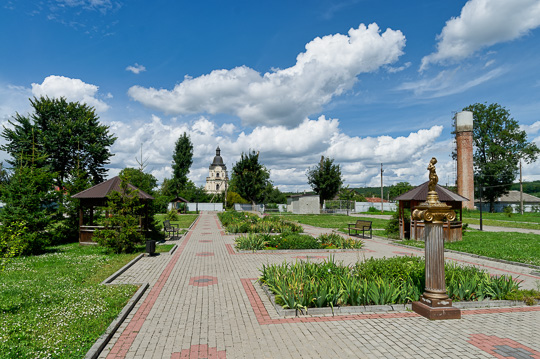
(218, 179)
(512, 199)
(303, 204)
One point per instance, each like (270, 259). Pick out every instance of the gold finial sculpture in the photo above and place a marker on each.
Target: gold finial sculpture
(433, 210)
(433, 178)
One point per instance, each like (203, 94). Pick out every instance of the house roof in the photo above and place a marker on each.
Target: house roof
(513, 197)
(103, 189)
(420, 194)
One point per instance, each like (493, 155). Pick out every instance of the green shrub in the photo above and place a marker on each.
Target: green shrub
(373, 209)
(171, 215)
(12, 242)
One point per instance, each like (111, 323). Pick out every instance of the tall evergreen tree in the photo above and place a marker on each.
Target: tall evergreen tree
(499, 145)
(249, 178)
(182, 160)
(28, 202)
(325, 179)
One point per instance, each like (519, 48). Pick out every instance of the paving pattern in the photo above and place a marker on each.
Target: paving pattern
(203, 302)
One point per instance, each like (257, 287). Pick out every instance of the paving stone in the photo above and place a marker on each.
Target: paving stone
(226, 315)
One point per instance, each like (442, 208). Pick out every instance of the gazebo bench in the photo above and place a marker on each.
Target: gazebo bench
(361, 225)
(171, 229)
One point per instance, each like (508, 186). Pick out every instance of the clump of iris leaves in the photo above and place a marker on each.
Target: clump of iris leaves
(244, 222)
(289, 240)
(397, 280)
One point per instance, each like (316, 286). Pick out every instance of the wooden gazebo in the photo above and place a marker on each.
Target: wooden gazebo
(411, 199)
(176, 204)
(97, 197)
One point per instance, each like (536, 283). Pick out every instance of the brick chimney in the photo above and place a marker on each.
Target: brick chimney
(465, 173)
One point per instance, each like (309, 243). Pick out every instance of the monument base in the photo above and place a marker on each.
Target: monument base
(436, 313)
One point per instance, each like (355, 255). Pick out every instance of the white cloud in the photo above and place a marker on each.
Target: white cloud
(136, 68)
(449, 82)
(393, 70)
(71, 89)
(483, 23)
(286, 152)
(329, 66)
(531, 129)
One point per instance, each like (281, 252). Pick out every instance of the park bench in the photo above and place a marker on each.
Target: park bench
(171, 229)
(360, 225)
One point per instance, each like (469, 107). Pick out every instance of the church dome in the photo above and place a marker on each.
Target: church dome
(218, 161)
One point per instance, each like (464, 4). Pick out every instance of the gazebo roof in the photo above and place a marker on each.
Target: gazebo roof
(180, 199)
(102, 190)
(420, 194)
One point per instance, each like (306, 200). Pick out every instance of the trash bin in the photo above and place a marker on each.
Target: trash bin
(151, 247)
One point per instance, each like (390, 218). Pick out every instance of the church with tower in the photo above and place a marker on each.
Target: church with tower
(218, 179)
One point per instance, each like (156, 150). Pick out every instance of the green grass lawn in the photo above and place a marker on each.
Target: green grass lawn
(515, 217)
(516, 220)
(336, 221)
(52, 305)
(516, 247)
(184, 220)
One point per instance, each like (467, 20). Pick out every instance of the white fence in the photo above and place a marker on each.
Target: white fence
(364, 206)
(211, 207)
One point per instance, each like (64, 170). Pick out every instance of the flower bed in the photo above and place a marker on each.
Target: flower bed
(396, 280)
(243, 222)
(295, 241)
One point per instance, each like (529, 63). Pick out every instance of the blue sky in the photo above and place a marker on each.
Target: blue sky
(364, 82)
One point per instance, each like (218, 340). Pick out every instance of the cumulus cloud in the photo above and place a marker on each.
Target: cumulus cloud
(286, 152)
(136, 68)
(329, 66)
(71, 89)
(483, 23)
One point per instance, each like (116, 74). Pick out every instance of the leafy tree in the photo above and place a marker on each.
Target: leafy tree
(233, 197)
(75, 149)
(274, 195)
(67, 133)
(121, 232)
(146, 182)
(325, 179)
(182, 160)
(499, 145)
(249, 178)
(399, 188)
(28, 202)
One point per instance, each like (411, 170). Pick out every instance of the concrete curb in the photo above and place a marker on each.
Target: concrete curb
(122, 270)
(327, 311)
(104, 339)
(173, 249)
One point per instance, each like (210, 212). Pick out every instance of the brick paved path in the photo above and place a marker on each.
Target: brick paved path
(203, 303)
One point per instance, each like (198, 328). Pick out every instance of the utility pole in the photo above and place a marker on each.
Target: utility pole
(382, 195)
(520, 189)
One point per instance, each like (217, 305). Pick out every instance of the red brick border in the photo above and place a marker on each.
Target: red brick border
(205, 254)
(490, 344)
(200, 351)
(129, 334)
(264, 318)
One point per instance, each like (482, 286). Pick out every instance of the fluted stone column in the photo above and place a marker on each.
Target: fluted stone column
(434, 303)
